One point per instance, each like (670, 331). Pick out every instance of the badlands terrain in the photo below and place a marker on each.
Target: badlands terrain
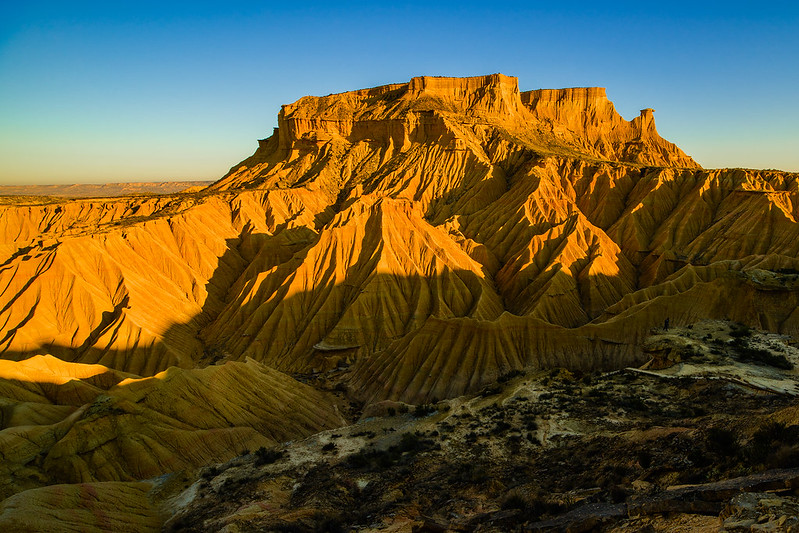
(442, 305)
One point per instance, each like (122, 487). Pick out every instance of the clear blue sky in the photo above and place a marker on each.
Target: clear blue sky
(97, 92)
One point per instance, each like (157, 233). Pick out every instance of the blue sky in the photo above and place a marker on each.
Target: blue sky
(100, 92)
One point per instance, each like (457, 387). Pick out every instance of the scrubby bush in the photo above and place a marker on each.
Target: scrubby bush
(632, 403)
(410, 442)
(514, 500)
(470, 473)
(786, 456)
(771, 437)
(644, 459)
(266, 456)
(533, 505)
(759, 355)
(210, 472)
(617, 494)
(424, 410)
(500, 427)
(491, 390)
(509, 375)
(319, 521)
(690, 352)
(722, 441)
(740, 330)
(409, 445)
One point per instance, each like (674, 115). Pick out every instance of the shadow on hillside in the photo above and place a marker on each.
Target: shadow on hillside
(390, 327)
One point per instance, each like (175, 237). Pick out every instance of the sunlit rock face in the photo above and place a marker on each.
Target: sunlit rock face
(427, 237)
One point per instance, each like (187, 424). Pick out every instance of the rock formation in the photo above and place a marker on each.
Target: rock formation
(421, 239)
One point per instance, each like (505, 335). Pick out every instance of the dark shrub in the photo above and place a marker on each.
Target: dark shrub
(786, 456)
(491, 390)
(514, 500)
(265, 456)
(758, 355)
(722, 441)
(410, 442)
(644, 459)
(770, 437)
(690, 352)
(507, 376)
(500, 427)
(470, 473)
(740, 330)
(424, 410)
(533, 505)
(618, 494)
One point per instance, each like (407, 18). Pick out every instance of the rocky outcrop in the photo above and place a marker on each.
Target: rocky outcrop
(585, 118)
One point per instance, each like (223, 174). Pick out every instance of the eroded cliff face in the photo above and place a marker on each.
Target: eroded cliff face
(584, 118)
(422, 238)
(458, 114)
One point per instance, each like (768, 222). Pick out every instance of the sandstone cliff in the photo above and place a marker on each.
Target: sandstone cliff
(586, 119)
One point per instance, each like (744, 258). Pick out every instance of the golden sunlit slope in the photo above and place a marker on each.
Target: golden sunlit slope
(96, 282)
(84, 507)
(432, 234)
(372, 275)
(97, 426)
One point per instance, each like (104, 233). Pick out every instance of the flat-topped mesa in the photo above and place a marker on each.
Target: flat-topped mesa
(583, 116)
(454, 114)
(399, 114)
(352, 115)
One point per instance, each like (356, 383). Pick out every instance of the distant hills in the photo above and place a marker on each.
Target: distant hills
(87, 190)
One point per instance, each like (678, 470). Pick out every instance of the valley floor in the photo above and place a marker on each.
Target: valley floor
(705, 437)
(711, 441)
